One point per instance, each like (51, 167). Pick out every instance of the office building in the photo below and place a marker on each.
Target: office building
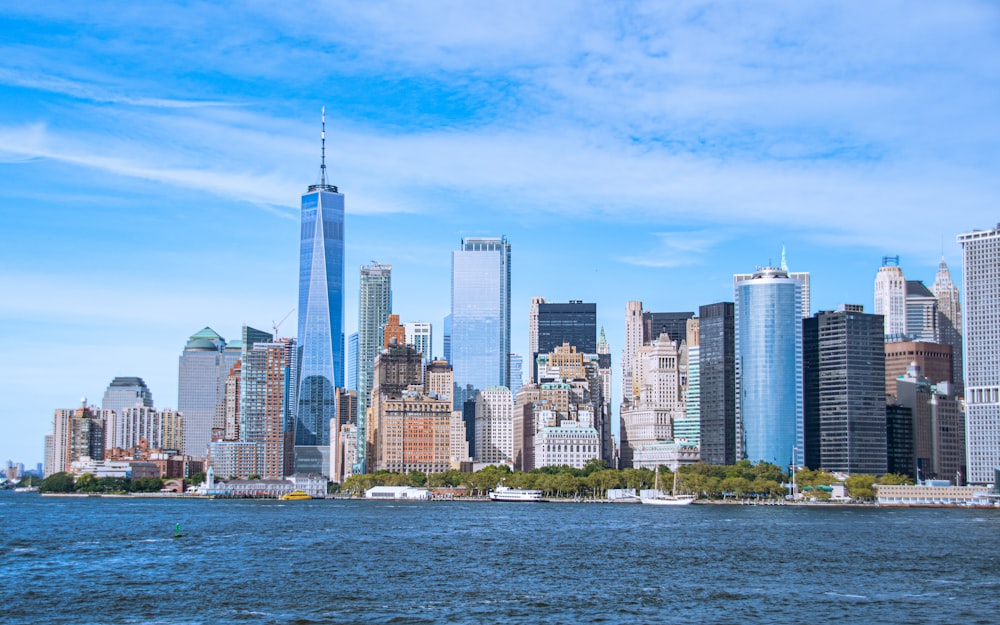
(658, 402)
(717, 383)
(446, 338)
(934, 360)
(981, 351)
(533, 335)
(374, 306)
(801, 276)
(899, 442)
(77, 433)
(480, 316)
(420, 335)
(320, 364)
(263, 403)
(397, 368)
(352, 362)
(495, 426)
(921, 313)
(394, 333)
(890, 298)
(571, 444)
(673, 324)
(516, 375)
(688, 429)
(949, 321)
(125, 392)
(939, 436)
(769, 407)
(844, 385)
(201, 387)
(142, 427)
(574, 323)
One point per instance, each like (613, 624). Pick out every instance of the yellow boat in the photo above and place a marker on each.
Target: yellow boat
(295, 495)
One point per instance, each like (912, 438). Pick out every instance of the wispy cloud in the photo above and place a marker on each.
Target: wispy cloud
(676, 249)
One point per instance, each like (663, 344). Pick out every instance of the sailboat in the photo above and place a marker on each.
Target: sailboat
(660, 499)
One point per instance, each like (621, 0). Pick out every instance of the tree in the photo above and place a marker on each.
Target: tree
(57, 483)
(895, 479)
(86, 483)
(859, 486)
(418, 478)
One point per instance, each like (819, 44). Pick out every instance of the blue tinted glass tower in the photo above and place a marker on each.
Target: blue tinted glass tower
(321, 310)
(480, 316)
(769, 366)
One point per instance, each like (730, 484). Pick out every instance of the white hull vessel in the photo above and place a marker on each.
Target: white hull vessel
(668, 500)
(506, 493)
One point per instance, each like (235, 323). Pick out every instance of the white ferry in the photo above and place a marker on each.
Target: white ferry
(506, 493)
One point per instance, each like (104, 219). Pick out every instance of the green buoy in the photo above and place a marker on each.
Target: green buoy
(177, 530)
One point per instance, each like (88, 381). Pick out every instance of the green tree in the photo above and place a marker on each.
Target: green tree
(57, 483)
(418, 478)
(895, 479)
(859, 486)
(196, 479)
(87, 483)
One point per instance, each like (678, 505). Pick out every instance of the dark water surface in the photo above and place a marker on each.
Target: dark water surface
(93, 560)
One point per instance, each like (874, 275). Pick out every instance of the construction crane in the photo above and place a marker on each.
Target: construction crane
(275, 326)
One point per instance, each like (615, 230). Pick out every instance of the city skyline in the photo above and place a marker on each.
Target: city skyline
(649, 154)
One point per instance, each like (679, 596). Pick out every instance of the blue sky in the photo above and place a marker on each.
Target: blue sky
(152, 159)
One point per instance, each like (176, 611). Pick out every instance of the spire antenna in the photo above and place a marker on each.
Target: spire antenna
(322, 135)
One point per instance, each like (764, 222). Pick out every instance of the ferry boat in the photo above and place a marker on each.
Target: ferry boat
(295, 495)
(661, 499)
(506, 493)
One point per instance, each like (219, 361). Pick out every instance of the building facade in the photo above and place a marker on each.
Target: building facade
(495, 425)
(125, 392)
(263, 405)
(717, 383)
(480, 316)
(574, 322)
(374, 307)
(420, 334)
(981, 351)
(320, 362)
(768, 316)
(890, 298)
(950, 320)
(201, 387)
(844, 377)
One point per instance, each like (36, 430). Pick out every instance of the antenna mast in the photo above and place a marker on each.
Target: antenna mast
(322, 135)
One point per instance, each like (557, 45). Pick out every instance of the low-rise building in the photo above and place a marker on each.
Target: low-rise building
(931, 495)
(569, 443)
(397, 492)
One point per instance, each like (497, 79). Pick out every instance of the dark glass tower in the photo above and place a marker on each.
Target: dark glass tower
(717, 373)
(321, 310)
(844, 380)
(573, 322)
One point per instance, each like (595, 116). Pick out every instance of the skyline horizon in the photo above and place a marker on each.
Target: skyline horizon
(638, 151)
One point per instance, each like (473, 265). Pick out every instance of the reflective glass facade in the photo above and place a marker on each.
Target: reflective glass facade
(321, 314)
(769, 367)
(480, 316)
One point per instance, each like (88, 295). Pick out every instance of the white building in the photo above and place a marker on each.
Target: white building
(420, 335)
(161, 429)
(495, 425)
(664, 453)
(981, 275)
(571, 443)
(890, 298)
(397, 492)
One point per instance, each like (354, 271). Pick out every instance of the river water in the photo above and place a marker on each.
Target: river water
(115, 561)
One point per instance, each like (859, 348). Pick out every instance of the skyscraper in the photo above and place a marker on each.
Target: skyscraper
(264, 379)
(446, 338)
(717, 379)
(201, 387)
(321, 308)
(890, 298)
(126, 392)
(420, 335)
(949, 320)
(352, 362)
(981, 351)
(921, 313)
(573, 322)
(768, 314)
(480, 316)
(533, 336)
(494, 425)
(374, 306)
(845, 413)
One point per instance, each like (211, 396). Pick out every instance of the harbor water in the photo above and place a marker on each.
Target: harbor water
(117, 561)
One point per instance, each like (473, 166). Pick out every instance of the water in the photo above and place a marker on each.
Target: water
(115, 561)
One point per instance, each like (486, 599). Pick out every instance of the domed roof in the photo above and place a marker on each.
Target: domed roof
(201, 344)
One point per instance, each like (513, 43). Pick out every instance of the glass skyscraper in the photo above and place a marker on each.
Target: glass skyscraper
(201, 387)
(769, 366)
(321, 311)
(126, 392)
(480, 316)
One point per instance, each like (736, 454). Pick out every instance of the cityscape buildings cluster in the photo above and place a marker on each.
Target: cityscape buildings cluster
(912, 388)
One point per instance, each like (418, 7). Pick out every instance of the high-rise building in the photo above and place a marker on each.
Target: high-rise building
(801, 276)
(890, 298)
(516, 375)
(633, 341)
(396, 369)
(844, 385)
(950, 320)
(263, 404)
(480, 316)
(981, 351)
(142, 426)
(574, 323)
(125, 392)
(673, 324)
(608, 448)
(495, 425)
(420, 335)
(717, 382)
(374, 306)
(769, 409)
(352, 362)
(201, 388)
(394, 333)
(921, 313)
(934, 360)
(77, 433)
(533, 336)
(320, 362)
(938, 427)
(689, 428)
(446, 338)
(658, 403)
